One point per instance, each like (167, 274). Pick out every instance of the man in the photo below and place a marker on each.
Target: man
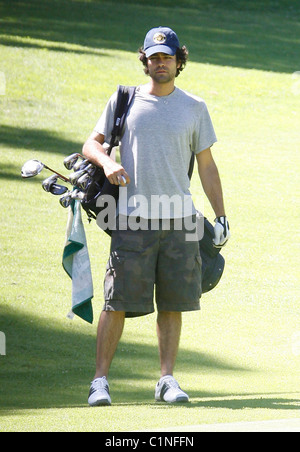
(164, 126)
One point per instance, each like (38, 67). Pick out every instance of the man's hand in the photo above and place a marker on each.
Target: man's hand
(222, 232)
(116, 174)
(94, 151)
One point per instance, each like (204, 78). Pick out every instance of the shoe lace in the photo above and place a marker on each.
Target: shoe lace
(171, 383)
(100, 383)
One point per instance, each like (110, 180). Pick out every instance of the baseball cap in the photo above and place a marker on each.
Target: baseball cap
(161, 40)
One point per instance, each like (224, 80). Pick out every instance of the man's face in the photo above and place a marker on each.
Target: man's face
(162, 67)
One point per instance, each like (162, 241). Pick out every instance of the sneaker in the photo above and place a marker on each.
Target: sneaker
(168, 390)
(99, 393)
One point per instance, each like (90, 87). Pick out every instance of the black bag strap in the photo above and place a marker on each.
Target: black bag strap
(125, 97)
(191, 168)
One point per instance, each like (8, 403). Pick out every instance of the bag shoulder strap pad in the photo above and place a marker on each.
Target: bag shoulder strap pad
(125, 95)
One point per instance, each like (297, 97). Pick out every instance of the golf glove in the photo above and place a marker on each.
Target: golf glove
(222, 232)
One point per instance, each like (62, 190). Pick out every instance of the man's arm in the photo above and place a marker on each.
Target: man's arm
(94, 151)
(211, 182)
(212, 186)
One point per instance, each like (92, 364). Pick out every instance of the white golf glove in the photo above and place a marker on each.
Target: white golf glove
(222, 232)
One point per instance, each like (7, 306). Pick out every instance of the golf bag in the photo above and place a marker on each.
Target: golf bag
(101, 185)
(212, 261)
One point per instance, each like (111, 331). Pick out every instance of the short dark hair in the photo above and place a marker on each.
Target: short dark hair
(181, 55)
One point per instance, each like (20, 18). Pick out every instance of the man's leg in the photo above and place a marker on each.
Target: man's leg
(168, 333)
(110, 329)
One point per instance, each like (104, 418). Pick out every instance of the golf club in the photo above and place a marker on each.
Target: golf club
(75, 176)
(47, 183)
(66, 200)
(50, 186)
(77, 194)
(84, 181)
(91, 170)
(80, 165)
(71, 160)
(57, 189)
(33, 167)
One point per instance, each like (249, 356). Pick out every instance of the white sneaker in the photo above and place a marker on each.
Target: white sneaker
(99, 393)
(168, 390)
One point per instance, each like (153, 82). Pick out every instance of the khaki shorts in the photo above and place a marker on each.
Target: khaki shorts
(143, 260)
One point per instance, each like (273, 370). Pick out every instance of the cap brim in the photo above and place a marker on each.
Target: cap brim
(160, 49)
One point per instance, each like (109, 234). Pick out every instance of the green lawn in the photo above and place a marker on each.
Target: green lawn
(240, 356)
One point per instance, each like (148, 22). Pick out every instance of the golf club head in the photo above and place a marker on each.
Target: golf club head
(47, 183)
(75, 176)
(91, 169)
(57, 189)
(84, 181)
(71, 160)
(31, 168)
(77, 194)
(66, 200)
(50, 186)
(80, 165)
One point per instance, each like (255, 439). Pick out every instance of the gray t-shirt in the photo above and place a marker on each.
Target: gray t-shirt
(159, 137)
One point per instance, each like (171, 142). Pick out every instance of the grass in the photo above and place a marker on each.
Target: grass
(239, 357)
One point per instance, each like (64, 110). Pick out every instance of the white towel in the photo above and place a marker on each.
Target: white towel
(76, 263)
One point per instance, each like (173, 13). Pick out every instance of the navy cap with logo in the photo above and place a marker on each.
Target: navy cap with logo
(161, 40)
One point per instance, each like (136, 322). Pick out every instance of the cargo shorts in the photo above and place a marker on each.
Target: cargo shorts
(144, 264)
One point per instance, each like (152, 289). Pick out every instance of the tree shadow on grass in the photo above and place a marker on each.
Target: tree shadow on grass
(35, 140)
(54, 47)
(221, 33)
(263, 401)
(51, 366)
(260, 401)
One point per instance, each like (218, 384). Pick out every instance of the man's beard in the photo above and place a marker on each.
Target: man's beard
(163, 77)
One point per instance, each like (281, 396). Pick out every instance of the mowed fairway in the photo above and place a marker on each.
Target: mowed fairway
(240, 356)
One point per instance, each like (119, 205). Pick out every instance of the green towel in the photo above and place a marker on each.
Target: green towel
(76, 263)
